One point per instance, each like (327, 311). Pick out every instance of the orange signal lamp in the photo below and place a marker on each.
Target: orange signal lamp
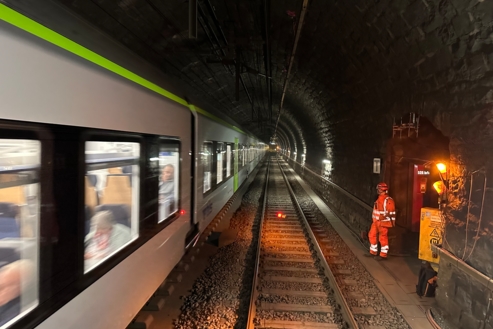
(279, 215)
(438, 186)
(442, 168)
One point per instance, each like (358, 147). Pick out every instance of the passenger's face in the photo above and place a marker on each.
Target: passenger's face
(102, 226)
(103, 229)
(167, 174)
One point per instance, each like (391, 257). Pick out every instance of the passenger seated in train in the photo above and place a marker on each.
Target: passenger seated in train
(105, 237)
(167, 192)
(14, 278)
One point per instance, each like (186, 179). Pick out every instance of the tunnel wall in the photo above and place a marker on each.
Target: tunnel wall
(431, 57)
(465, 294)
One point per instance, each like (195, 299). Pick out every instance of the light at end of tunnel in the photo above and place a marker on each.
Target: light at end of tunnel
(326, 161)
(438, 186)
(182, 212)
(441, 168)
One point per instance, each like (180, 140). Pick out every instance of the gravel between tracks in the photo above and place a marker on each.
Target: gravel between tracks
(219, 295)
(219, 298)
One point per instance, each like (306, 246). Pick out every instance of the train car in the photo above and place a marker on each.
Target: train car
(226, 159)
(99, 191)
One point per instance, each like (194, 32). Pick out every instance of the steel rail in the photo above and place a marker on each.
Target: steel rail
(345, 310)
(254, 293)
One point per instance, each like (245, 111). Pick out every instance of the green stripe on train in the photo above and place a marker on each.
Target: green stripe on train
(24, 23)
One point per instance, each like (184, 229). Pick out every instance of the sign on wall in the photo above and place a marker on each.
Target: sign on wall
(376, 165)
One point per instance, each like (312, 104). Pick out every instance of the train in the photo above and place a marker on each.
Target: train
(105, 177)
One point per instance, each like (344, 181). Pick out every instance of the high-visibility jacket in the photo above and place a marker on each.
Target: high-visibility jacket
(384, 211)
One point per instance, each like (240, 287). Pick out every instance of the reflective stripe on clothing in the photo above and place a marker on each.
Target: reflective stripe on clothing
(378, 229)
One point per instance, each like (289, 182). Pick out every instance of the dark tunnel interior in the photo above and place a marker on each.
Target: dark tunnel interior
(405, 81)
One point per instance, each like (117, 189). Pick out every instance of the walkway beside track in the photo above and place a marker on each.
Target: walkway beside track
(396, 277)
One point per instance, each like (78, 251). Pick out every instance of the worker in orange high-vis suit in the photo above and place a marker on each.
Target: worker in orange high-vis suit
(383, 217)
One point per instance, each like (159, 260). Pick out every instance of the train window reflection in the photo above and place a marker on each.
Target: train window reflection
(219, 154)
(243, 156)
(207, 165)
(20, 162)
(111, 199)
(240, 156)
(168, 180)
(228, 160)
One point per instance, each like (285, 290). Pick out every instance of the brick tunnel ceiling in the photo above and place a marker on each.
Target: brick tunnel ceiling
(355, 58)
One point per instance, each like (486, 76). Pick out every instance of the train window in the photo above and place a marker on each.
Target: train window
(219, 158)
(243, 156)
(111, 199)
(228, 160)
(169, 157)
(207, 164)
(232, 165)
(239, 156)
(20, 162)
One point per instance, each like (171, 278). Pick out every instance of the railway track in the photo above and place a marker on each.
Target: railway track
(293, 285)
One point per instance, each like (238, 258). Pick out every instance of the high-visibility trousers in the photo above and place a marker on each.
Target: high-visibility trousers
(377, 228)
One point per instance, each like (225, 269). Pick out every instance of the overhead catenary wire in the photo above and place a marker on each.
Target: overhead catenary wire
(291, 60)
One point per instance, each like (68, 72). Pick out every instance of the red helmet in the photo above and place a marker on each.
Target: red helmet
(382, 186)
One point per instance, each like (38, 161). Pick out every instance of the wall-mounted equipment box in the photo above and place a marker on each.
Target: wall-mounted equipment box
(430, 233)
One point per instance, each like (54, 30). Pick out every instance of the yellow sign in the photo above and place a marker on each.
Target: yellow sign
(430, 232)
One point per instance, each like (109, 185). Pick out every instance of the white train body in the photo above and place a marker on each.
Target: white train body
(52, 92)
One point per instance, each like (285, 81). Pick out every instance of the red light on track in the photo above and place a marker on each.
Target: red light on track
(182, 212)
(279, 215)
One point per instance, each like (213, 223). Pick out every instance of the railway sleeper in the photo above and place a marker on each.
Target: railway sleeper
(299, 293)
(282, 230)
(273, 225)
(356, 295)
(292, 269)
(282, 324)
(369, 311)
(286, 245)
(294, 260)
(282, 307)
(288, 239)
(280, 252)
(291, 279)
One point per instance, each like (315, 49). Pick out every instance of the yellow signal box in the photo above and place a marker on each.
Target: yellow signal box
(430, 233)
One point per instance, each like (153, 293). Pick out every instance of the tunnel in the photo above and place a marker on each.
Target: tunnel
(406, 84)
